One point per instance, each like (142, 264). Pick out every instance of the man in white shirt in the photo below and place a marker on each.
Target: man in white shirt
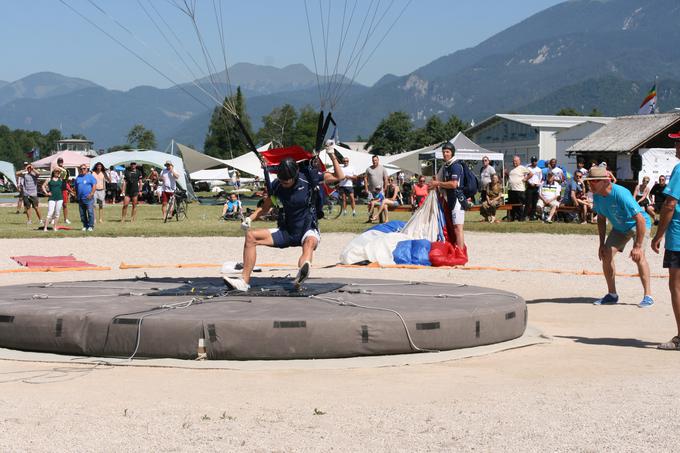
(517, 178)
(548, 196)
(346, 187)
(169, 177)
(556, 171)
(533, 185)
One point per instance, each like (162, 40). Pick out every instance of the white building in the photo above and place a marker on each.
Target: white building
(569, 137)
(529, 135)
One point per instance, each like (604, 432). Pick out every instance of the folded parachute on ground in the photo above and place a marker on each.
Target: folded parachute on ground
(427, 239)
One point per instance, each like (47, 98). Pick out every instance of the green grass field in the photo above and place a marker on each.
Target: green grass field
(204, 221)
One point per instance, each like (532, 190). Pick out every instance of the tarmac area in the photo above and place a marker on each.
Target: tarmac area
(585, 377)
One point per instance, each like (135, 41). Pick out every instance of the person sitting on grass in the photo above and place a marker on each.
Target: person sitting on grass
(232, 208)
(298, 224)
(548, 196)
(391, 200)
(657, 197)
(493, 199)
(374, 204)
(641, 193)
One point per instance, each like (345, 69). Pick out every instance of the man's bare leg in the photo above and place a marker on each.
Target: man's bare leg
(126, 202)
(134, 209)
(460, 238)
(260, 236)
(643, 270)
(674, 286)
(609, 269)
(308, 248)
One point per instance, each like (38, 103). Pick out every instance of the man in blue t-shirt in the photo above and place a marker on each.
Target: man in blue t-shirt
(450, 178)
(629, 221)
(297, 225)
(669, 224)
(86, 185)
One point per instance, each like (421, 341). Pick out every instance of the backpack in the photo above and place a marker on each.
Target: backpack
(470, 184)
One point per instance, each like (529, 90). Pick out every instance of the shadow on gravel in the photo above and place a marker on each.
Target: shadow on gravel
(563, 300)
(625, 342)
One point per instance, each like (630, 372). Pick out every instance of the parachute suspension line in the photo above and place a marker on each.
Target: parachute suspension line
(112, 19)
(370, 55)
(190, 11)
(219, 18)
(135, 54)
(350, 58)
(344, 31)
(324, 39)
(316, 68)
(167, 40)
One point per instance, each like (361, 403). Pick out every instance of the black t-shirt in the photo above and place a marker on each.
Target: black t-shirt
(132, 178)
(657, 192)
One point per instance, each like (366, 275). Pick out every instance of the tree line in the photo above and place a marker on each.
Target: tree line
(286, 126)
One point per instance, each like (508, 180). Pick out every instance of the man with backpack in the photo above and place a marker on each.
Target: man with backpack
(455, 181)
(297, 188)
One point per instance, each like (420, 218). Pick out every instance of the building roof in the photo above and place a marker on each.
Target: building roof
(539, 121)
(626, 133)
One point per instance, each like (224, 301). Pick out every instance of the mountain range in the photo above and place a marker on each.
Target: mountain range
(582, 54)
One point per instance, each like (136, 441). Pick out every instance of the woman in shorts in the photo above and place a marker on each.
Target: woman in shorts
(102, 178)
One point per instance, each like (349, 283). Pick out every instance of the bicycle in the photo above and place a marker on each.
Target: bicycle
(177, 207)
(333, 205)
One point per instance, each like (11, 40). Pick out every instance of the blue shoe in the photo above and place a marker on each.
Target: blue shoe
(607, 300)
(646, 301)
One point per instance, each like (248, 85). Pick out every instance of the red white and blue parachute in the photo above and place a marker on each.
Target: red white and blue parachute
(427, 239)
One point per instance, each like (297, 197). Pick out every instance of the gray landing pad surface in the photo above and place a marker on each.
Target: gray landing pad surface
(328, 318)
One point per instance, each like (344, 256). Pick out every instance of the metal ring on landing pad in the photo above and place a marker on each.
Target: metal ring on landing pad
(165, 317)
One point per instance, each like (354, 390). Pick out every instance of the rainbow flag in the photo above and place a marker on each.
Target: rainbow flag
(648, 106)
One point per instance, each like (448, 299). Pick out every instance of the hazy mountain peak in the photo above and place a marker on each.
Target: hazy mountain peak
(42, 85)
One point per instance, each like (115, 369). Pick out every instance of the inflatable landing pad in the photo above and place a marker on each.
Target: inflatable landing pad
(327, 318)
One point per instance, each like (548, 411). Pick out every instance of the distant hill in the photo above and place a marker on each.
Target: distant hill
(41, 85)
(3, 83)
(615, 96)
(258, 79)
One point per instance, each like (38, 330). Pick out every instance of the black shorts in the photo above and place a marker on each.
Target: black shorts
(30, 201)
(346, 190)
(671, 259)
(131, 191)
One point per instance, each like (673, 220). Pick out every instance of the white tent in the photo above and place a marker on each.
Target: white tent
(358, 160)
(154, 158)
(248, 162)
(7, 169)
(466, 150)
(657, 162)
(215, 174)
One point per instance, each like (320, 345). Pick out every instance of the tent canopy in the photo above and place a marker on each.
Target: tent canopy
(357, 160)
(466, 149)
(154, 158)
(7, 169)
(195, 161)
(72, 159)
(215, 174)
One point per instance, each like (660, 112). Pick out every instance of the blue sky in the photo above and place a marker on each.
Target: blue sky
(44, 35)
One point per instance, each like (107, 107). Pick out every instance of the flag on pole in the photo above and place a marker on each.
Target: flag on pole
(648, 106)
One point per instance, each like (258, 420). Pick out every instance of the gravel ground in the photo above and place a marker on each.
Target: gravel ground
(598, 386)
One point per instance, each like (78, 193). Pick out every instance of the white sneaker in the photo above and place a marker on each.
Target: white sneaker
(236, 283)
(89, 229)
(67, 222)
(83, 229)
(303, 273)
(42, 222)
(30, 222)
